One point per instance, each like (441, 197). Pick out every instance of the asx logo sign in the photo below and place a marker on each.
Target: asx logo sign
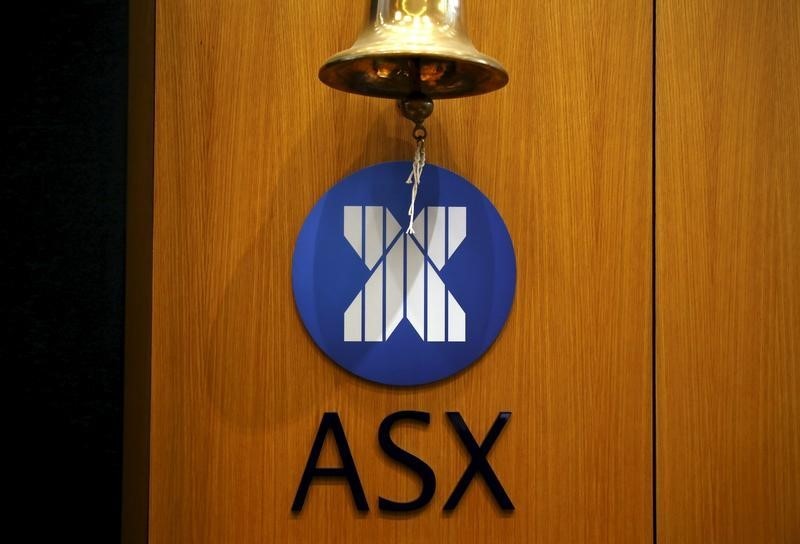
(397, 308)
(405, 279)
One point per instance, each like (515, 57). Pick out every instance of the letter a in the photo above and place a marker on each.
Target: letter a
(331, 422)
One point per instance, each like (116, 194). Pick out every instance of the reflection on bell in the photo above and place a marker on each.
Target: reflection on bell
(413, 47)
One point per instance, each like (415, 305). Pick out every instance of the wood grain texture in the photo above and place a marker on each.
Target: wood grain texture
(728, 253)
(247, 140)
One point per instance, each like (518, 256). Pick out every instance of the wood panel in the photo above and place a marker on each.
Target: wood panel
(728, 253)
(247, 140)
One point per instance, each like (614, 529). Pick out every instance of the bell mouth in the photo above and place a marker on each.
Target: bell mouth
(397, 75)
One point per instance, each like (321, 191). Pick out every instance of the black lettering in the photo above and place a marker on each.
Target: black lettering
(392, 450)
(331, 422)
(478, 462)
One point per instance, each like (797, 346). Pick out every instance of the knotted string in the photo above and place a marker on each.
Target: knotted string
(414, 179)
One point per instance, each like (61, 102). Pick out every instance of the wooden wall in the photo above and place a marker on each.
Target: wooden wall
(246, 139)
(728, 254)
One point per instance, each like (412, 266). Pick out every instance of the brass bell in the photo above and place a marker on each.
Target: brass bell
(414, 51)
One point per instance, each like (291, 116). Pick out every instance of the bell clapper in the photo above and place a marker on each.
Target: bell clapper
(416, 107)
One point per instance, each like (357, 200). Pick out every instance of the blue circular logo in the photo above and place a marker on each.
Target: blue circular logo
(402, 308)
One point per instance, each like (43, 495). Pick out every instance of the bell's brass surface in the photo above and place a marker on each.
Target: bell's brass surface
(413, 46)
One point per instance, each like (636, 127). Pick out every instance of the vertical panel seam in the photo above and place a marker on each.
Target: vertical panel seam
(653, 391)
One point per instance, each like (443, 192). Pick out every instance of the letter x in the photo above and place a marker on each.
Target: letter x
(405, 281)
(479, 463)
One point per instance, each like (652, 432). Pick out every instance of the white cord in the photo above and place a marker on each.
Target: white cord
(414, 179)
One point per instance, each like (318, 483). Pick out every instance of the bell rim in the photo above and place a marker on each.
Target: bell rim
(499, 76)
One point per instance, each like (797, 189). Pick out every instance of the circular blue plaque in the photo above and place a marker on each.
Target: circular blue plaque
(403, 309)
